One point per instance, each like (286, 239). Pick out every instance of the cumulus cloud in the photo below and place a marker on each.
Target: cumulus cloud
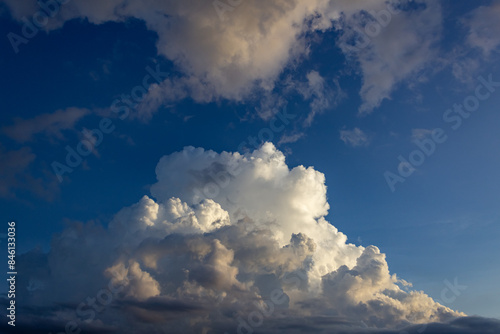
(355, 137)
(248, 50)
(227, 242)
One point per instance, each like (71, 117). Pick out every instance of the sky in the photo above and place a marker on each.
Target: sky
(238, 166)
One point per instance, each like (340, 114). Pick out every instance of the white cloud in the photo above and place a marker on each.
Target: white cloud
(192, 264)
(355, 137)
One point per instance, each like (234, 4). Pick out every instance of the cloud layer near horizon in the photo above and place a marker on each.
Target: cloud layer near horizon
(230, 241)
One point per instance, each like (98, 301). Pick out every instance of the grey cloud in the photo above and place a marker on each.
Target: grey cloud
(355, 137)
(484, 28)
(51, 125)
(17, 172)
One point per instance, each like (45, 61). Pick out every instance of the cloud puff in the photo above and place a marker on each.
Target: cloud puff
(230, 242)
(355, 137)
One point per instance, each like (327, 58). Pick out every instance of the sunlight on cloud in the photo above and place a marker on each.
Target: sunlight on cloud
(260, 240)
(243, 50)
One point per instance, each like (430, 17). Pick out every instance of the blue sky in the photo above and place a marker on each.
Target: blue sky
(357, 99)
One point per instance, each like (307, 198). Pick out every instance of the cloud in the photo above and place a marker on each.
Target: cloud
(230, 242)
(227, 58)
(355, 137)
(419, 134)
(465, 69)
(399, 49)
(247, 52)
(287, 139)
(18, 9)
(51, 125)
(16, 173)
(483, 27)
(322, 95)
(13, 164)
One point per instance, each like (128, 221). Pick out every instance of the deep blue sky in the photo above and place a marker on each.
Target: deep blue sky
(440, 224)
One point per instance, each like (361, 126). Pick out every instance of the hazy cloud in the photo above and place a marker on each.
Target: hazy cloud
(483, 27)
(419, 134)
(51, 125)
(16, 173)
(355, 137)
(397, 50)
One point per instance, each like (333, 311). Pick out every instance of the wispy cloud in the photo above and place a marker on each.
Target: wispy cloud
(16, 174)
(50, 125)
(288, 139)
(483, 27)
(355, 137)
(403, 46)
(419, 134)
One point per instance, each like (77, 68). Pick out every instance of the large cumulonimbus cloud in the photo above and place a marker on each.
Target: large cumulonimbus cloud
(226, 243)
